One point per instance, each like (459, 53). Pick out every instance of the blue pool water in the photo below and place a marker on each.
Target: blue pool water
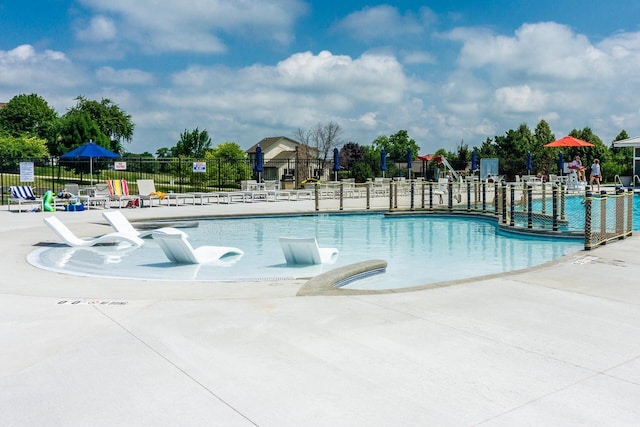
(418, 249)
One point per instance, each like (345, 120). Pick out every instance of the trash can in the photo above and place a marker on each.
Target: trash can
(287, 182)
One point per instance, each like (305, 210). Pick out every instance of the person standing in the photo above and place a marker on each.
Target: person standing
(596, 174)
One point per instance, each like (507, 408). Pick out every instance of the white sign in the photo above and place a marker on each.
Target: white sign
(120, 166)
(26, 172)
(199, 166)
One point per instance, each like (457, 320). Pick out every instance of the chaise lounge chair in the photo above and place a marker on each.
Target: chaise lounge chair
(71, 239)
(22, 194)
(177, 248)
(305, 250)
(122, 225)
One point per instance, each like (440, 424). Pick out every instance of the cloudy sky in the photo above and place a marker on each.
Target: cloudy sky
(447, 71)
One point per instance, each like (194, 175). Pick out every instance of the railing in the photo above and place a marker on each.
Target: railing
(543, 209)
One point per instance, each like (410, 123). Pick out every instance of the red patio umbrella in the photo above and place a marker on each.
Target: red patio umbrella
(569, 141)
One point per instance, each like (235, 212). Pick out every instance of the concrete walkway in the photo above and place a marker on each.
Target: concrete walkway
(555, 345)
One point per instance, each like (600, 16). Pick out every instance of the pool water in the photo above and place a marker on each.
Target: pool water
(419, 250)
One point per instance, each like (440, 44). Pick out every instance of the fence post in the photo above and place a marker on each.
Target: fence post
(603, 217)
(430, 195)
(504, 201)
(512, 206)
(412, 195)
(368, 196)
(390, 195)
(341, 195)
(620, 223)
(316, 189)
(529, 206)
(450, 192)
(629, 230)
(544, 198)
(468, 196)
(554, 206)
(422, 193)
(587, 221)
(484, 199)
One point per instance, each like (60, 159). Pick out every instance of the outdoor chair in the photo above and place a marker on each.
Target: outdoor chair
(177, 248)
(71, 239)
(305, 250)
(22, 195)
(119, 191)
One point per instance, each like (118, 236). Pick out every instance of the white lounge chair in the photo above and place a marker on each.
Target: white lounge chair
(122, 225)
(71, 239)
(305, 250)
(177, 248)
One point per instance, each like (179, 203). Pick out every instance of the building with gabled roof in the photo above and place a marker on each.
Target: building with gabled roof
(286, 159)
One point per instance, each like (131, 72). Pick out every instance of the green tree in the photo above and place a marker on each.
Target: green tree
(226, 162)
(350, 154)
(193, 144)
(110, 119)
(28, 115)
(16, 147)
(620, 161)
(397, 145)
(544, 158)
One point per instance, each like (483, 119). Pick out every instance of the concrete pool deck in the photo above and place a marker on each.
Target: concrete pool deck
(554, 345)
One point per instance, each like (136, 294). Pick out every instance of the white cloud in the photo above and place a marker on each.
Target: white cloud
(384, 22)
(100, 29)
(520, 99)
(125, 76)
(197, 25)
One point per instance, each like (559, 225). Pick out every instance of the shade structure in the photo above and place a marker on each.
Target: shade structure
(90, 150)
(569, 141)
(336, 160)
(560, 162)
(383, 160)
(425, 157)
(529, 162)
(474, 161)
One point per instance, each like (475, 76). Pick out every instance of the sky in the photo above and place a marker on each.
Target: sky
(449, 72)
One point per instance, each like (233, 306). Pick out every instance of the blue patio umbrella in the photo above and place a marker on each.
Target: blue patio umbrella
(474, 161)
(259, 161)
(529, 162)
(336, 162)
(90, 150)
(560, 163)
(383, 161)
(409, 161)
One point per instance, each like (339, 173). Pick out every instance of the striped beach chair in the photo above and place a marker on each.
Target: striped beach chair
(119, 191)
(22, 195)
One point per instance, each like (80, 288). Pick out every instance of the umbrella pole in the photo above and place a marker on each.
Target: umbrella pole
(91, 171)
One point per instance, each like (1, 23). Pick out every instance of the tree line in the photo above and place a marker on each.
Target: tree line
(29, 127)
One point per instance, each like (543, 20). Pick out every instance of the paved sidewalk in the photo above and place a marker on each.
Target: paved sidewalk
(553, 345)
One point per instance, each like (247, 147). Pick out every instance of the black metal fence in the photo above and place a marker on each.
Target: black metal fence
(180, 175)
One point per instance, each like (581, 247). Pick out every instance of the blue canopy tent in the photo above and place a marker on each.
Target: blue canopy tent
(259, 162)
(90, 150)
(336, 163)
(383, 161)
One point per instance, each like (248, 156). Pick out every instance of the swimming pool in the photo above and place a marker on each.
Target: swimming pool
(419, 250)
